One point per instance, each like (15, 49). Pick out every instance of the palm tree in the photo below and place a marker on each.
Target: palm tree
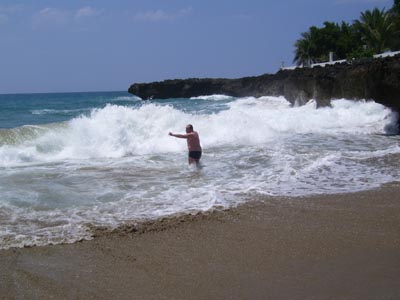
(395, 16)
(304, 49)
(376, 28)
(395, 8)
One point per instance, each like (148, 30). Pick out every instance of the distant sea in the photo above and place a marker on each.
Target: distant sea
(71, 161)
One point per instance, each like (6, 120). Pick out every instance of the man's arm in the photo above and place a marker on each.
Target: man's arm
(181, 136)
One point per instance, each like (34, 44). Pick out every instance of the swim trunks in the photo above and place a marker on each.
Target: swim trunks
(195, 154)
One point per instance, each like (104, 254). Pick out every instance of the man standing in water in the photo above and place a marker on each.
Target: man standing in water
(193, 143)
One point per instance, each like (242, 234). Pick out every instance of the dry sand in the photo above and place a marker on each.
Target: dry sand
(323, 247)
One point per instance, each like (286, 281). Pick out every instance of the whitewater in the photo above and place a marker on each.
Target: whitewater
(107, 159)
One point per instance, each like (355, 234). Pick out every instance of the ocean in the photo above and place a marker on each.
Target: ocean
(73, 161)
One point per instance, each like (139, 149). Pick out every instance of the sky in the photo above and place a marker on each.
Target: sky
(99, 45)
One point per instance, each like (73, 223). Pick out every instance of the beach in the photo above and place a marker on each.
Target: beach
(295, 189)
(342, 246)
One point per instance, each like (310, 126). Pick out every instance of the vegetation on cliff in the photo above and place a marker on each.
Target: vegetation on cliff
(375, 32)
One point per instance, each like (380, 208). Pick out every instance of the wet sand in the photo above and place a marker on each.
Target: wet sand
(322, 247)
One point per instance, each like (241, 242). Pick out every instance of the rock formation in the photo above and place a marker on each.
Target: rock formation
(370, 79)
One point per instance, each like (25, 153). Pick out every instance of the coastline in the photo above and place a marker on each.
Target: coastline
(369, 79)
(341, 246)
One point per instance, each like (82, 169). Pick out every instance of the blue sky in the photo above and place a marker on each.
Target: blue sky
(84, 45)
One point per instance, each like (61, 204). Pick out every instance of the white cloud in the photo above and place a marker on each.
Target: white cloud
(157, 15)
(160, 15)
(57, 17)
(87, 11)
(50, 16)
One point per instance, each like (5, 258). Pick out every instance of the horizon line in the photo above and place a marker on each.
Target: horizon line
(73, 92)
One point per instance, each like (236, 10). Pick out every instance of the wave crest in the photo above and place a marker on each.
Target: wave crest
(117, 131)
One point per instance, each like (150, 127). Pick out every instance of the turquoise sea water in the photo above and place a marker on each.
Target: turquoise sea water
(72, 161)
(33, 109)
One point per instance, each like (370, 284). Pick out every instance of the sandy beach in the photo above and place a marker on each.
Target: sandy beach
(344, 246)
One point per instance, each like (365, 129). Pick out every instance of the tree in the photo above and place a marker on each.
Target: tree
(375, 32)
(396, 7)
(316, 43)
(326, 39)
(376, 28)
(304, 49)
(348, 41)
(394, 13)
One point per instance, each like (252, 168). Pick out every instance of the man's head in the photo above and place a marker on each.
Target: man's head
(189, 128)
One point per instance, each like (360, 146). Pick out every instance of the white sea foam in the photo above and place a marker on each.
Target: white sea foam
(117, 131)
(58, 111)
(127, 98)
(118, 163)
(213, 97)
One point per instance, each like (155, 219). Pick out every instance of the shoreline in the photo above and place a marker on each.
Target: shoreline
(336, 246)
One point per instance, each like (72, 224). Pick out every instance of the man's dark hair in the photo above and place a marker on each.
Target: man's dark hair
(190, 126)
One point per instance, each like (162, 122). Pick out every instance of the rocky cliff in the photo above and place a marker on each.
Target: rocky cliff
(371, 79)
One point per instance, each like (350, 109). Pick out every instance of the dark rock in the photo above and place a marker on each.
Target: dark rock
(370, 79)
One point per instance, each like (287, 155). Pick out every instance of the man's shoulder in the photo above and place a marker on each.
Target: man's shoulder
(195, 135)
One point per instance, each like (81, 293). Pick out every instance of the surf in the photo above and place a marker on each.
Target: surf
(116, 163)
(117, 131)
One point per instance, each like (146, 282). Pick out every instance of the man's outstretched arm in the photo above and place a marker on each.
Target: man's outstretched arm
(182, 136)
